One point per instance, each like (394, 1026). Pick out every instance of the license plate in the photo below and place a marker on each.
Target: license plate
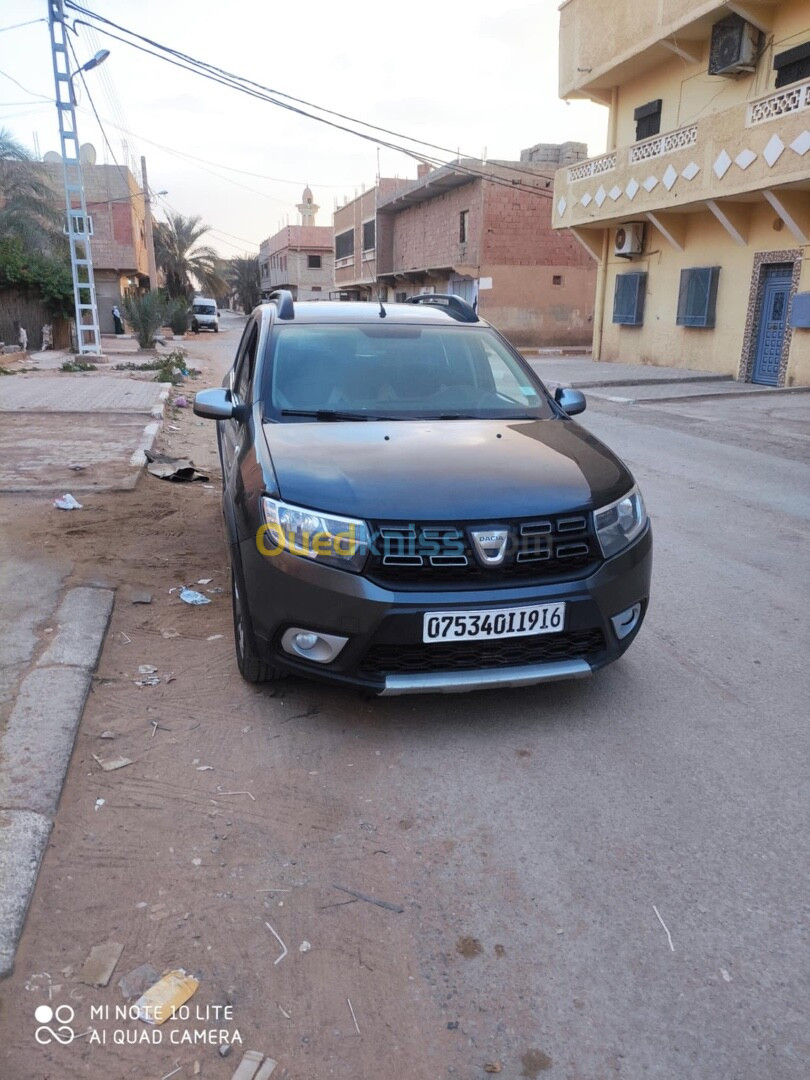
(493, 623)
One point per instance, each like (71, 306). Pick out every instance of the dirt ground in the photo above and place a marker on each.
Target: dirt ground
(183, 874)
(528, 845)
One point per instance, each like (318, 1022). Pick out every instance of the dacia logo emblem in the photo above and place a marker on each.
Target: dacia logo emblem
(490, 545)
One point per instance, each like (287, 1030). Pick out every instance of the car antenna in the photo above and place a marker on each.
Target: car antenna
(383, 312)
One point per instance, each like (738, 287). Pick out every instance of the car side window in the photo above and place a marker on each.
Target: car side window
(246, 362)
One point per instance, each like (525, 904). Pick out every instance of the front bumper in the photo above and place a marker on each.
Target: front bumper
(384, 652)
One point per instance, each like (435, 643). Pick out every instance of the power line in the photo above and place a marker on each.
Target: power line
(184, 155)
(17, 26)
(25, 89)
(92, 103)
(280, 93)
(235, 82)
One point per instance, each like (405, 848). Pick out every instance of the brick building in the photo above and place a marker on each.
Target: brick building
(116, 209)
(489, 239)
(355, 227)
(300, 258)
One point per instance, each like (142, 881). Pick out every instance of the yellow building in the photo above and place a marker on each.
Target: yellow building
(699, 213)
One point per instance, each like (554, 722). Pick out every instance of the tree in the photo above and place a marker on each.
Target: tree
(183, 260)
(42, 276)
(243, 277)
(145, 314)
(29, 206)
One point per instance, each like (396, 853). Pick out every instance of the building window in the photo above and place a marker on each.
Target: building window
(344, 245)
(557, 279)
(317, 288)
(648, 119)
(697, 297)
(792, 66)
(628, 298)
(313, 262)
(369, 235)
(400, 298)
(463, 223)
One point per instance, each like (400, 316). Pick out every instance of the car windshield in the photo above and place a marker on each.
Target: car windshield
(203, 309)
(396, 372)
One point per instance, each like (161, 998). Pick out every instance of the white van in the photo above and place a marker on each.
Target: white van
(204, 315)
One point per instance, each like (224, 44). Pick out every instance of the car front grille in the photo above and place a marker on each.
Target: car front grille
(539, 550)
(413, 659)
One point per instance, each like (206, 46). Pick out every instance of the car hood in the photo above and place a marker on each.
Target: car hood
(444, 470)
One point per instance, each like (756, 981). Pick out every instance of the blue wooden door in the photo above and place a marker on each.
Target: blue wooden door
(772, 321)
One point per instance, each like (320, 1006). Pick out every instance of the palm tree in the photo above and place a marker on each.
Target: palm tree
(243, 277)
(183, 260)
(29, 206)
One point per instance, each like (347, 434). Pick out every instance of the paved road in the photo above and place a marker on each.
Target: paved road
(529, 835)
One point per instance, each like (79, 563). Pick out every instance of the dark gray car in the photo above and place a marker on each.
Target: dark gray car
(408, 510)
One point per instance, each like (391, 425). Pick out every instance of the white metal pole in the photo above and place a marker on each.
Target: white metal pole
(78, 227)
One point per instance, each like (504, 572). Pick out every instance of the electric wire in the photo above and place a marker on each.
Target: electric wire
(180, 60)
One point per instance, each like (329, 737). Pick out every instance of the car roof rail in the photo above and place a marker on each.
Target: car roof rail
(455, 306)
(283, 299)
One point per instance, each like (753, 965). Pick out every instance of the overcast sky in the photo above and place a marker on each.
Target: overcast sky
(479, 76)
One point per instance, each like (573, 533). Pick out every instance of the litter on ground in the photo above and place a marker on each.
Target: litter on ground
(100, 964)
(158, 1003)
(191, 596)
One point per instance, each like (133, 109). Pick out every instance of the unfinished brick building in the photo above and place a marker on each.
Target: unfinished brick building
(489, 239)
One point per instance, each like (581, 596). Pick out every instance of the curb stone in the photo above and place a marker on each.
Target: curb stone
(35, 751)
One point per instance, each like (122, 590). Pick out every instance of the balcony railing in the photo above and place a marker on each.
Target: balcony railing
(592, 167)
(791, 99)
(663, 144)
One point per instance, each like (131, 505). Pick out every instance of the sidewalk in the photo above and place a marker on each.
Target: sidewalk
(640, 384)
(582, 373)
(79, 432)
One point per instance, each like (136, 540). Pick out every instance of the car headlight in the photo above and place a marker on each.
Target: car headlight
(618, 524)
(310, 534)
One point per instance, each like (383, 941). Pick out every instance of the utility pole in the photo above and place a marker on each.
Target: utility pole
(150, 239)
(81, 261)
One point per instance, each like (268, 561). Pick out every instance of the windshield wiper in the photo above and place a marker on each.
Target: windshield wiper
(479, 416)
(329, 414)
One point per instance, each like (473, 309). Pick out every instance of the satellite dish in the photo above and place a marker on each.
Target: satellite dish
(87, 154)
(53, 158)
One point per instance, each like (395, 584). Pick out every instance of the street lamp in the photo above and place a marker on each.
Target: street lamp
(93, 62)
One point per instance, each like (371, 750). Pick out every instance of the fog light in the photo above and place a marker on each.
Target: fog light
(626, 621)
(306, 641)
(322, 648)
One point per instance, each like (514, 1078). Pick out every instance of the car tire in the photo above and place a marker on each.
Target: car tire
(252, 667)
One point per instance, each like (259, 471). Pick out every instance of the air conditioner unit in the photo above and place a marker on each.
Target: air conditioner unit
(735, 44)
(629, 239)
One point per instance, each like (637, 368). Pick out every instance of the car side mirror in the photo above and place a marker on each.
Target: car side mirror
(570, 401)
(217, 405)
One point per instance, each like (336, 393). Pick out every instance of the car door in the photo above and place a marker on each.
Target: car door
(232, 431)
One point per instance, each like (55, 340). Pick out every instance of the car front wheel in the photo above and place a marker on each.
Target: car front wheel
(252, 667)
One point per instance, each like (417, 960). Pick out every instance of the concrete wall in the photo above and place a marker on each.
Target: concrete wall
(687, 91)
(598, 35)
(529, 309)
(660, 341)
(311, 284)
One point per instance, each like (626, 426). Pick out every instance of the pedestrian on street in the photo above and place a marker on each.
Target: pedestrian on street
(119, 325)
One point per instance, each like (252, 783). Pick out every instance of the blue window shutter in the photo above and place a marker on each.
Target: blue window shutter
(628, 299)
(697, 296)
